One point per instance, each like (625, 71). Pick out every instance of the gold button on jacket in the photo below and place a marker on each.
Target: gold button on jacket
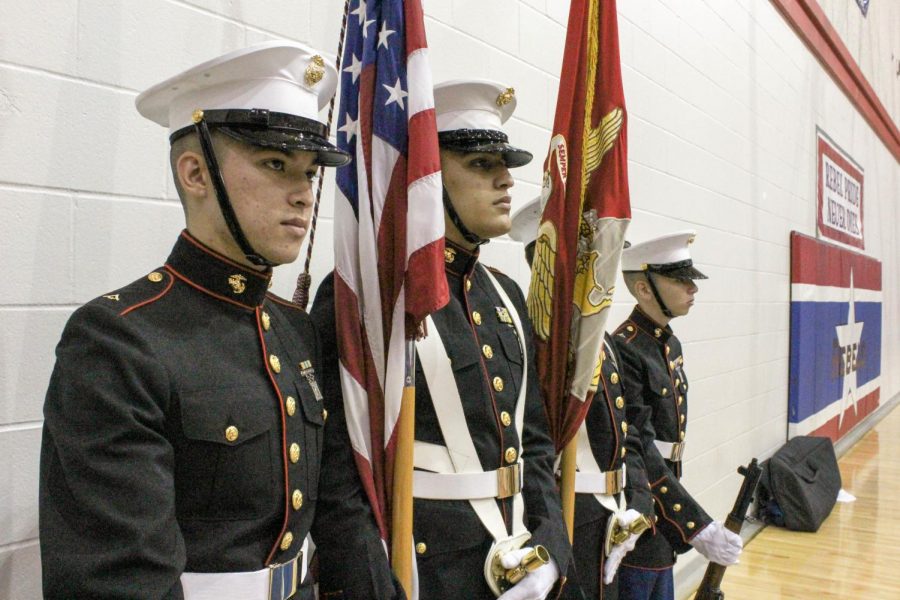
(290, 404)
(188, 332)
(297, 499)
(652, 355)
(467, 324)
(275, 363)
(295, 453)
(620, 402)
(287, 540)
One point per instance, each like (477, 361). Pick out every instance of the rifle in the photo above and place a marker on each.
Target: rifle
(712, 579)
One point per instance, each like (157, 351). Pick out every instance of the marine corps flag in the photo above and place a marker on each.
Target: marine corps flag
(585, 216)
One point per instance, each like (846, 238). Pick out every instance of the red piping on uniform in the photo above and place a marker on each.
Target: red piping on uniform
(284, 457)
(612, 414)
(206, 291)
(187, 236)
(659, 481)
(633, 333)
(674, 523)
(284, 302)
(149, 300)
(657, 569)
(487, 379)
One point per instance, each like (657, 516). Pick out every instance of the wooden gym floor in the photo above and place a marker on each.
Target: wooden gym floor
(856, 552)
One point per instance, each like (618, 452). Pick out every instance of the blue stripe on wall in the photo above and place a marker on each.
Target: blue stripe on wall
(816, 378)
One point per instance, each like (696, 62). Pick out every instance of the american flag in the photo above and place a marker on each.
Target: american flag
(389, 225)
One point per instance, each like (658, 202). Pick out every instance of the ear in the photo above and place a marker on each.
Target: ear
(642, 287)
(190, 169)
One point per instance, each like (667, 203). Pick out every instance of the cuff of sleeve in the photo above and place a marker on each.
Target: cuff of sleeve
(679, 512)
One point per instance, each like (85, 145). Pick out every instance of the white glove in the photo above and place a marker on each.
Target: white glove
(718, 544)
(619, 551)
(534, 586)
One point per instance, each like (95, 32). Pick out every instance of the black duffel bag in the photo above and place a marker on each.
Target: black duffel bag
(800, 484)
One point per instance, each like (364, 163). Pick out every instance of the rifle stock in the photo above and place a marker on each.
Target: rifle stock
(712, 580)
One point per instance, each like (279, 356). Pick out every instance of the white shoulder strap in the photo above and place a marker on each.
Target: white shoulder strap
(451, 418)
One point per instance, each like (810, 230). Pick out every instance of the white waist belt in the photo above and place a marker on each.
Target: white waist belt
(276, 582)
(607, 482)
(670, 450)
(501, 483)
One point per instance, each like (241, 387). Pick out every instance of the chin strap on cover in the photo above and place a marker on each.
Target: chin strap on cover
(222, 196)
(457, 221)
(659, 300)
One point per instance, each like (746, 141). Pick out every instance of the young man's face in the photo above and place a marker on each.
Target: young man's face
(272, 193)
(677, 294)
(478, 184)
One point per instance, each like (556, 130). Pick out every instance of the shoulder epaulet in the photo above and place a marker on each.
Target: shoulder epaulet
(138, 293)
(283, 302)
(626, 331)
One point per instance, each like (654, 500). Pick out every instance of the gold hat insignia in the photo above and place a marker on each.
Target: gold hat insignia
(315, 70)
(506, 97)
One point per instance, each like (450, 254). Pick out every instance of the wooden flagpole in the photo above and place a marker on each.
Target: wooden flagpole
(402, 499)
(567, 468)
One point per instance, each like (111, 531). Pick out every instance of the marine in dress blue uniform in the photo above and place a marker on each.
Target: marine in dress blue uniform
(660, 275)
(616, 449)
(184, 418)
(488, 353)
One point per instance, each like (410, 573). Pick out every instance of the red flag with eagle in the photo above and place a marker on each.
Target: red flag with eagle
(389, 226)
(585, 215)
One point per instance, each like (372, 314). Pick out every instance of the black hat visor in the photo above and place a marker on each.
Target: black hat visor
(683, 270)
(279, 131)
(484, 140)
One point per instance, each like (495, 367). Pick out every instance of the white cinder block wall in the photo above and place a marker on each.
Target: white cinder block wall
(723, 102)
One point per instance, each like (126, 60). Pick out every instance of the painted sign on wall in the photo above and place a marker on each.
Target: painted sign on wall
(840, 195)
(835, 355)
